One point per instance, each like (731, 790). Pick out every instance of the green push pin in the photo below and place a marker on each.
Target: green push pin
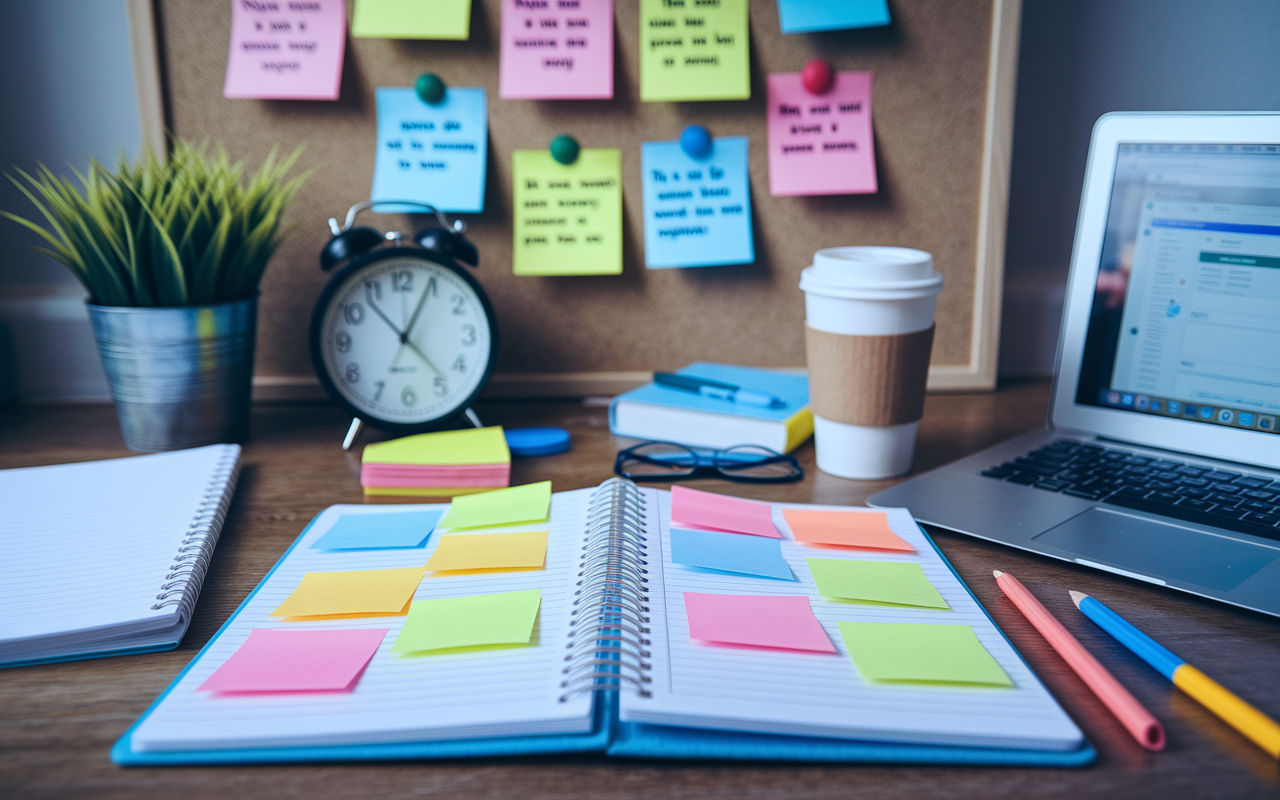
(564, 149)
(430, 88)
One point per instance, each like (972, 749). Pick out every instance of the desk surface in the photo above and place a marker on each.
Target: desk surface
(57, 722)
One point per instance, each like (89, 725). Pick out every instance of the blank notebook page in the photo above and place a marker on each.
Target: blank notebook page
(816, 694)
(87, 546)
(504, 691)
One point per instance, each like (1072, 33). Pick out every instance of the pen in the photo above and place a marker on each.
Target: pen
(1132, 715)
(717, 390)
(1235, 712)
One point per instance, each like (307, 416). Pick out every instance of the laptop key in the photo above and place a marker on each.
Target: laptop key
(1263, 519)
(1253, 483)
(1260, 507)
(1221, 475)
(997, 472)
(1024, 478)
(1258, 494)
(1087, 494)
(1051, 486)
(1225, 488)
(1199, 505)
(1163, 498)
(1228, 511)
(1256, 528)
(1223, 499)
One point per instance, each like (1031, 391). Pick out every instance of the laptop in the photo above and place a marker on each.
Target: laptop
(1161, 458)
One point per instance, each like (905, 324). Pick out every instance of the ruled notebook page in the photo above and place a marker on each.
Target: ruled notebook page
(86, 547)
(500, 692)
(815, 694)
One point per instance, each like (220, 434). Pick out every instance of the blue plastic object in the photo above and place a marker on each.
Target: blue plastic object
(695, 141)
(537, 441)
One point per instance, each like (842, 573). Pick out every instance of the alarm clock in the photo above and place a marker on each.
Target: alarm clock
(402, 336)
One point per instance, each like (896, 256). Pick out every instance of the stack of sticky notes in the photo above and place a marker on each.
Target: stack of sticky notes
(441, 464)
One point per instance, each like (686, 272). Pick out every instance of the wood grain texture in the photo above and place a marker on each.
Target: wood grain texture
(58, 721)
(931, 118)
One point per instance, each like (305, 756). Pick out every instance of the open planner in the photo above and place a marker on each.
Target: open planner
(609, 629)
(107, 557)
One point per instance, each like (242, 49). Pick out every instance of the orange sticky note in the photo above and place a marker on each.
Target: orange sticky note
(866, 529)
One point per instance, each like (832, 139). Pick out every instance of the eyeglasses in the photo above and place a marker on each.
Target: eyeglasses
(668, 461)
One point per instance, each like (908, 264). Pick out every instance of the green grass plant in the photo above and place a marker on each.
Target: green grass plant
(187, 231)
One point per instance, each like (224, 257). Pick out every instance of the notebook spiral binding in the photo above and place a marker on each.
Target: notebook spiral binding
(186, 574)
(609, 623)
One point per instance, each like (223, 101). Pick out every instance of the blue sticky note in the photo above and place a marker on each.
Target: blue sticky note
(378, 531)
(697, 212)
(802, 16)
(432, 154)
(730, 552)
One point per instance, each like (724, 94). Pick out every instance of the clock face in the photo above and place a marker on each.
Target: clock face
(404, 340)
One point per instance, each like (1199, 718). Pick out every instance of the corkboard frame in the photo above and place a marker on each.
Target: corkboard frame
(972, 328)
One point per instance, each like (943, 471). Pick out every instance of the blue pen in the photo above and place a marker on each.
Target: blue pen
(717, 390)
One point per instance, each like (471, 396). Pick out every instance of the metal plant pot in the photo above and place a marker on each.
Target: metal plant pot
(180, 376)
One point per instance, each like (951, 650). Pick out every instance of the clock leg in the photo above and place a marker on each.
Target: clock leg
(352, 433)
(472, 418)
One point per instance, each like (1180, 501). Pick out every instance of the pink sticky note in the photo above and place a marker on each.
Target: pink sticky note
(286, 51)
(748, 620)
(692, 508)
(821, 144)
(297, 661)
(556, 49)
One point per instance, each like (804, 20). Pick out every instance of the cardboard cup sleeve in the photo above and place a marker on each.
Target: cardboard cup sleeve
(868, 380)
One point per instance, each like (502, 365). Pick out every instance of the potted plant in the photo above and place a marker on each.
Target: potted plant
(171, 253)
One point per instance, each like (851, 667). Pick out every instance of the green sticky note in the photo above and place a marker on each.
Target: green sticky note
(474, 621)
(528, 503)
(884, 582)
(899, 652)
(411, 19)
(465, 447)
(568, 217)
(694, 50)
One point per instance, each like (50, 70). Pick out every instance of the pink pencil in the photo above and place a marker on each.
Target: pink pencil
(1136, 719)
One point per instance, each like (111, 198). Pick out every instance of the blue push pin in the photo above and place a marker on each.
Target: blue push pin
(695, 141)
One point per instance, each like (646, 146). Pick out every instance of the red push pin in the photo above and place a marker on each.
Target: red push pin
(817, 76)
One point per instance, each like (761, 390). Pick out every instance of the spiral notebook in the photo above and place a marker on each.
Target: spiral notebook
(610, 666)
(107, 557)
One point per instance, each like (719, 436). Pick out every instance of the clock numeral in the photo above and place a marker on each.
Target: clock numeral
(353, 372)
(353, 313)
(439, 386)
(470, 338)
(343, 340)
(373, 290)
(459, 365)
(459, 305)
(378, 394)
(408, 396)
(402, 281)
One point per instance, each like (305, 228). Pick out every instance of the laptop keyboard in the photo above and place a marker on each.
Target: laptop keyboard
(1237, 501)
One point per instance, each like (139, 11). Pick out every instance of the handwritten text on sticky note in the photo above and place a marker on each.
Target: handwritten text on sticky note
(411, 19)
(556, 49)
(568, 217)
(693, 50)
(697, 212)
(296, 661)
(802, 16)
(286, 51)
(431, 153)
(821, 144)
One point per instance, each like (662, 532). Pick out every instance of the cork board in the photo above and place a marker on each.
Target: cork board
(942, 119)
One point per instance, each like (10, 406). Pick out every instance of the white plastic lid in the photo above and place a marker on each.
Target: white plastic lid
(872, 273)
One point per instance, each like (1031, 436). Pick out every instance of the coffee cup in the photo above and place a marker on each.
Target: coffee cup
(868, 334)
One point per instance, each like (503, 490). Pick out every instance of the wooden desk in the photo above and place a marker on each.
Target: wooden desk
(57, 722)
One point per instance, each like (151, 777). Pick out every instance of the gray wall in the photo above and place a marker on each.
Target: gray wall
(1080, 59)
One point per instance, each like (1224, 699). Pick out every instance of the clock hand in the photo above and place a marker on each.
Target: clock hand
(421, 355)
(368, 296)
(422, 301)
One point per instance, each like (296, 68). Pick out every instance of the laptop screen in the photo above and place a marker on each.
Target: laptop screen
(1185, 320)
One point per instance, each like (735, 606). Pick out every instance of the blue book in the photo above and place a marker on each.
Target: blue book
(666, 414)
(609, 668)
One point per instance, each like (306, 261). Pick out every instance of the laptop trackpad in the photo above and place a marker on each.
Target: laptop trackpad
(1158, 550)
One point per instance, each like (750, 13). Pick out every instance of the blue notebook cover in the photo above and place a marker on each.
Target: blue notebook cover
(608, 735)
(791, 389)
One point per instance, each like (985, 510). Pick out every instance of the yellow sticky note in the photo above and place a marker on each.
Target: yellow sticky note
(568, 217)
(490, 551)
(528, 503)
(477, 621)
(411, 19)
(469, 446)
(694, 50)
(361, 593)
